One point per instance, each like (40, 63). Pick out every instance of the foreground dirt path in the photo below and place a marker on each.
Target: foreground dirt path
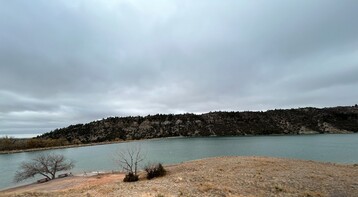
(224, 176)
(64, 184)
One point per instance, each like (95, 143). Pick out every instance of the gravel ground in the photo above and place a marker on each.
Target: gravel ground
(223, 176)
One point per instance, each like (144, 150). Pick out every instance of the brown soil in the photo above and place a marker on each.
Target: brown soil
(224, 176)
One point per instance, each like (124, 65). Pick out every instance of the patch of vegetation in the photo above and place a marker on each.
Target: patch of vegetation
(130, 177)
(156, 170)
(10, 143)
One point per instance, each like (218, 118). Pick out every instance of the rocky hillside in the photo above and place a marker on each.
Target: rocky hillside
(290, 121)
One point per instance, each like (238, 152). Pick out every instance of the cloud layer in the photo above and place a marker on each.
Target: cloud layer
(67, 62)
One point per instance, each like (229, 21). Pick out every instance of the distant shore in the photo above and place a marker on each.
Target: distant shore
(78, 145)
(61, 147)
(125, 141)
(217, 176)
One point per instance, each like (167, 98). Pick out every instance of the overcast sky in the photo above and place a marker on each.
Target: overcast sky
(73, 61)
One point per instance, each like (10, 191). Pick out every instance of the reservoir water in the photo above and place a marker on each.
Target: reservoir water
(339, 148)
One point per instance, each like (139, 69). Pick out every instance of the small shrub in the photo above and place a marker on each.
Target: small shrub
(130, 177)
(155, 171)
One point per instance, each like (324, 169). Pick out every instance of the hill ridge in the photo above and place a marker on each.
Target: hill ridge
(279, 121)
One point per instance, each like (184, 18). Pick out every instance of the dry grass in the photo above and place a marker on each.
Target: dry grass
(225, 176)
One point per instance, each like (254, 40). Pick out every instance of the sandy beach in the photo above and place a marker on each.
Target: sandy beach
(221, 176)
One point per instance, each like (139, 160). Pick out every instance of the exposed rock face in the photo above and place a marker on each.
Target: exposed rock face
(292, 121)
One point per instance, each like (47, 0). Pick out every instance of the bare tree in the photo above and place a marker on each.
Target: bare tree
(129, 160)
(46, 165)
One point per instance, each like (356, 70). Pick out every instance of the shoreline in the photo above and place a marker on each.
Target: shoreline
(95, 173)
(79, 175)
(63, 147)
(228, 175)
(83, 145)
(172, 137)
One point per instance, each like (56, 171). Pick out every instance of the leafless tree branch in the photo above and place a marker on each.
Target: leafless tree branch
(46, 165)
(129, 159)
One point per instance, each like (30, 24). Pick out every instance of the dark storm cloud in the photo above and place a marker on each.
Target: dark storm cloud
(66, 62)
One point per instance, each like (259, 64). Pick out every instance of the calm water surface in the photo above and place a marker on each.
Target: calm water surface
(328, 148)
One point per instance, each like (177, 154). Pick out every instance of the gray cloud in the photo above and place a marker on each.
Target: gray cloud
(67, 62)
